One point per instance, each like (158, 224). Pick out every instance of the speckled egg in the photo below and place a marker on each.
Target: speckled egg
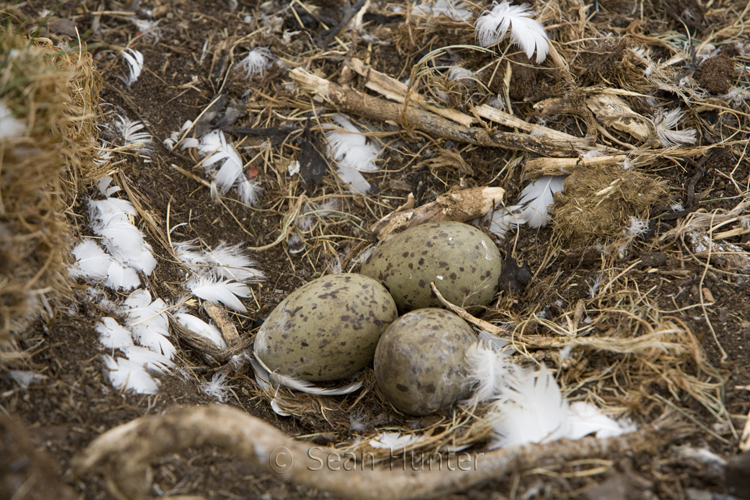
(419, 363)
(327, 329)
(461, 260)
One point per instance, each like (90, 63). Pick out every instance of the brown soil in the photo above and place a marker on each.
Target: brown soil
(76, 403)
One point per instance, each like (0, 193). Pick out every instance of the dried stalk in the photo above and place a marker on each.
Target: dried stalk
(125, 453)
(352, 101)
(460, 206)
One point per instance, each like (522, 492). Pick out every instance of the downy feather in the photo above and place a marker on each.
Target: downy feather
(255, 62)
(488, 369)
(537, 197)
(264, 374)
(112, 335)
(353, 153)
(526, 33)
(215, 290)
(217, 387)
(200, 327)
(126, 375)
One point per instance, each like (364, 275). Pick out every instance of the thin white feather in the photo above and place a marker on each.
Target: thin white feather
(200, 327)
(585, 419)
(222, 155)
(214, 290)
(112, 335)
(131, 134)
(148, 359)
(127, 375)
(229, 262)
(526, 33)
(149, 323)
(537, 197)
(134, 59)
(104, 185)
(217, 387)
(393, 440)
(353, 153)
(249, 191)
(666, 122)
(266, 377)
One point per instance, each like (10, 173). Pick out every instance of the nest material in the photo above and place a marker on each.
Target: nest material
(53, 92)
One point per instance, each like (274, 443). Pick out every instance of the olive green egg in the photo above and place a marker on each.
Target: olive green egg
(327, 329)
(461, 260)
(420, 362)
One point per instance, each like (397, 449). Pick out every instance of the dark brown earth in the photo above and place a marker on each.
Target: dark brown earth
(76, 403)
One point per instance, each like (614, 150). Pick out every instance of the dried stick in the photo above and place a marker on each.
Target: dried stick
(385, 111)
(125, 453)
(458, 206)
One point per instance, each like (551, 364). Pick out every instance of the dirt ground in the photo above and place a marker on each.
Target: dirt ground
(188, 59)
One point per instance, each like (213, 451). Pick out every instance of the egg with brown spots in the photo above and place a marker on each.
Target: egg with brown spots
(461, 260)
(327, 329)
(419, 363)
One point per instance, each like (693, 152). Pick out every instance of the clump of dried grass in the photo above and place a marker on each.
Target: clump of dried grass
(53, 92)
(598, 202)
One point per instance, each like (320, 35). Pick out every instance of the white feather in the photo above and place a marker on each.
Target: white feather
(255, 62)
(222, 155)
(352, 153)
(135, 65)
(526, 33)
(216, 387)
(537, 197)
(266, 377)
(10, 126)
(454, 9)
(148, 359)
(249, 191)
(488, 369)
(112, 335)
(121, 277)
(532, 410)
(214, 290)
(104, 186)
(149, 323)
(585, 419)
(25, 378)
(127, 375)
(91, 261)
(132, 135)
(393, 440)
(665, 122)
(200, 327)
(229, 262)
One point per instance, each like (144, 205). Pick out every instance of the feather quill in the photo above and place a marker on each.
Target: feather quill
(526, 33)
(264, 375)
(215, 290)
(353, 153)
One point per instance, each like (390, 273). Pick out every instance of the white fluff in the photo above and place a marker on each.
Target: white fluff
(352, 152)
(149, 323)
(224, 261)
(217, 387)
(215, 290)
(127, 375)
(135, 64)
(526, 33)
(665, 122)
(224, 156)
(488, 369)
(532, 410)
(249, 191)
(10, 126)
(200, 327)
(255, 62)
(112, 335)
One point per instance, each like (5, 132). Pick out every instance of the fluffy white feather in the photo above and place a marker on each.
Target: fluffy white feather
(536, 199)
(393, 440)
(266, 377)
(488, 369)
(255, 62)
(222, 157)
(135, 65)
(200, 327)
(214, 290)
(526, 33)
(149, 323)
(217, 387)
(112, 335)
(126, 375)
(224, 261)
(666, 122)
(353, 153)
(249, 191)
(10, 126)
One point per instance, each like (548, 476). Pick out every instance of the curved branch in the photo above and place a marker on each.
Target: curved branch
(125, 453)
